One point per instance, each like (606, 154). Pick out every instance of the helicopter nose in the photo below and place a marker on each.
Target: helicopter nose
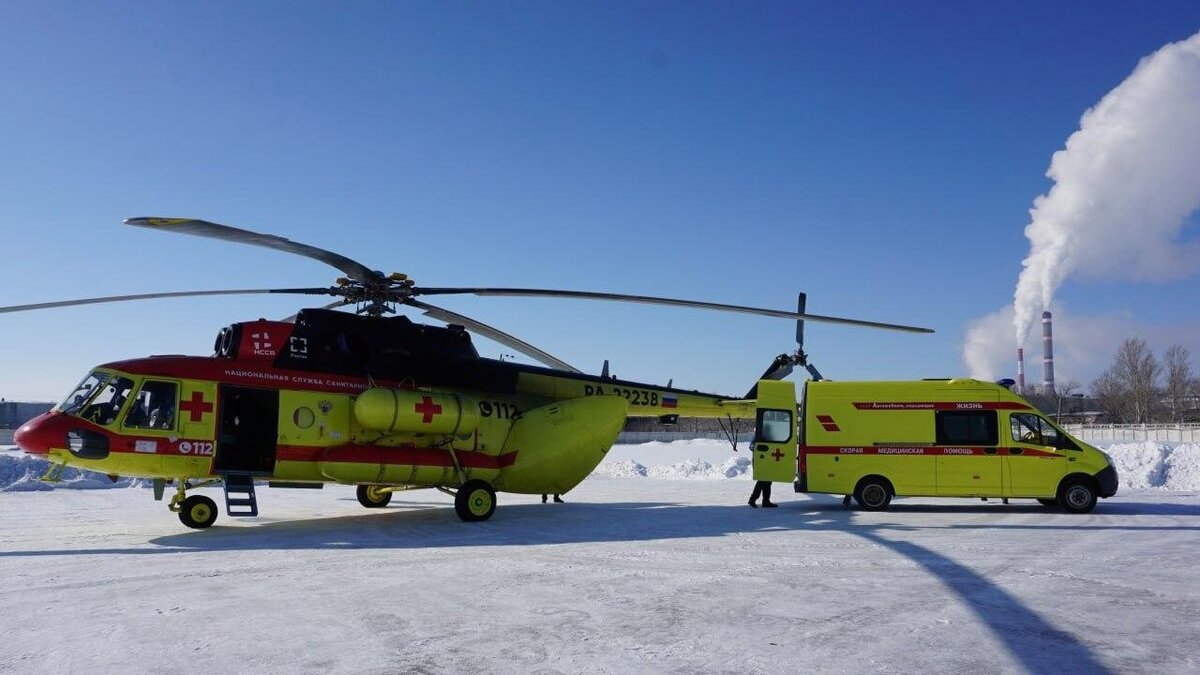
(40, 434)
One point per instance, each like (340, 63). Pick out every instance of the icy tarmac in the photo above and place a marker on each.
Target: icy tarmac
(630, 575)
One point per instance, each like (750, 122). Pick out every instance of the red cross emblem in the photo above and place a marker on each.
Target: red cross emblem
(427, 408)
(778, 454)
(197, 406)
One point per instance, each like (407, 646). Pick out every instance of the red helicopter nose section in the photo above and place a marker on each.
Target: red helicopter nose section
(40, 434)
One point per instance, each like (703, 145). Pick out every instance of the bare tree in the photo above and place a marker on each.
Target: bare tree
(1128, 390)
(1180, 384)
(1113, 397)
(1064, 391)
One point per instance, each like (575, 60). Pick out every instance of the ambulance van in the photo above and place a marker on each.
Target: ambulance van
(930, 438)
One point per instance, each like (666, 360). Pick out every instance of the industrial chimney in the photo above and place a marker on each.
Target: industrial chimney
(1048, 354)
(1020, 370)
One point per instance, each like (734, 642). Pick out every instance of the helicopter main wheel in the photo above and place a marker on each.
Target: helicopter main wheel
(373, 496)
(198, 512)
(475, 501)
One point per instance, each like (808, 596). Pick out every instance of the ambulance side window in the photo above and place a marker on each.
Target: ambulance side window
(1030, 428)
(774, 426)
(967, 427)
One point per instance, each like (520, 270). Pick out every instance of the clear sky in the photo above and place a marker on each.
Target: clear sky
(881, 156)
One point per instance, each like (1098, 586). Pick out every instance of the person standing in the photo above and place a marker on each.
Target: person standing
(763, 488)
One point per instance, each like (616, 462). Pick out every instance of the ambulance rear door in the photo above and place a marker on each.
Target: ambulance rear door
(775, 442)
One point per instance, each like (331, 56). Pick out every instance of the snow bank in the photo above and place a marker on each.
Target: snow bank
(21, 473)
(1151, 465)
(1141, 466)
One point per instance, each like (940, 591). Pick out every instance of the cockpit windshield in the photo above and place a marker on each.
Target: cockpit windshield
(91, 384)
(99, 398)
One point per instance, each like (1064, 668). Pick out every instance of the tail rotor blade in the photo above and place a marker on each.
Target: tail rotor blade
(800, 309)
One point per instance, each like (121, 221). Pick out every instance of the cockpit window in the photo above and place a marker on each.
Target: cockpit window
(91, 384)
(153, 407)
(104, 406)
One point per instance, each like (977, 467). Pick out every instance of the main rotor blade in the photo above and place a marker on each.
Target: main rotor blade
(152, 296)
(202, 228)
(493, 333)
(652, 300)
(340, 302)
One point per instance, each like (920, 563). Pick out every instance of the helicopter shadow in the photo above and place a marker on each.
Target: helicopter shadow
(1032, 640)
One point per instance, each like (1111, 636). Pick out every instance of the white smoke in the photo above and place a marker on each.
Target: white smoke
(1084, 345)
(1124, 187)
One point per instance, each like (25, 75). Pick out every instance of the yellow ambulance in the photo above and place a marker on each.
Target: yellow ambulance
(943, 438)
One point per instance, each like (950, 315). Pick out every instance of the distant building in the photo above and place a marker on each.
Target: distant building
(15, 413)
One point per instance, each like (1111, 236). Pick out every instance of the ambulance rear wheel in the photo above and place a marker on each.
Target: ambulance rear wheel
(198, 512)
(1077, 495)
(373, 496)
(873, 493)
(475, 501)
(1048, 503)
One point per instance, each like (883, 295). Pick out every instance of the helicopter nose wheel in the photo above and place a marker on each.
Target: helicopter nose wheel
(198, 512)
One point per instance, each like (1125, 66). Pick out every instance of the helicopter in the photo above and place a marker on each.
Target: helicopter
(366, 399)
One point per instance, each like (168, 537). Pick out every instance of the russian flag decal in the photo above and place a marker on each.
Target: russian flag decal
(670, 402)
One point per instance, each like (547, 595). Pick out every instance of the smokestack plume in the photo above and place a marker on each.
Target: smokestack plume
(1020, 370)
(1048, 354)
(1124, 187)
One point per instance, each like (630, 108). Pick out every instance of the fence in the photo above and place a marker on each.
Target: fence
(1125, 433)
(635, 437)
(1134, 433)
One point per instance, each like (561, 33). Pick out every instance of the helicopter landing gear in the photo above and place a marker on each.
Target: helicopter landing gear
(475, 501)
(197, 512)
(374, 496)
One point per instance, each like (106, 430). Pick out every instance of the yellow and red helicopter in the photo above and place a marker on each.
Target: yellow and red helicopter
(363, 399)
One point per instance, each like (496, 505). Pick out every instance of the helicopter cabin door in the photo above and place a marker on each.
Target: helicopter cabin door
(247, 430)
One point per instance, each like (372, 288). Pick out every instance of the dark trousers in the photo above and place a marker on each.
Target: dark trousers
(762, 487)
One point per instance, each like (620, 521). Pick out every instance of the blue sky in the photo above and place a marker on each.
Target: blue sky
(880, 156)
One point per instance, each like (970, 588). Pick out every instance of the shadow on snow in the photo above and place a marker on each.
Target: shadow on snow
(1028, 637)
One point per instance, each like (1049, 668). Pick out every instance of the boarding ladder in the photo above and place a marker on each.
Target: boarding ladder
(239, 495)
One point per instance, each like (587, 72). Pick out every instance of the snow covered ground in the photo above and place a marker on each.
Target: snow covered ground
(645, 569)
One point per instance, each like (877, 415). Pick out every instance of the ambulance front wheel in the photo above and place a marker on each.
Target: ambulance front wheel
(873, 493)
(198, 512)
(1077, 495)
